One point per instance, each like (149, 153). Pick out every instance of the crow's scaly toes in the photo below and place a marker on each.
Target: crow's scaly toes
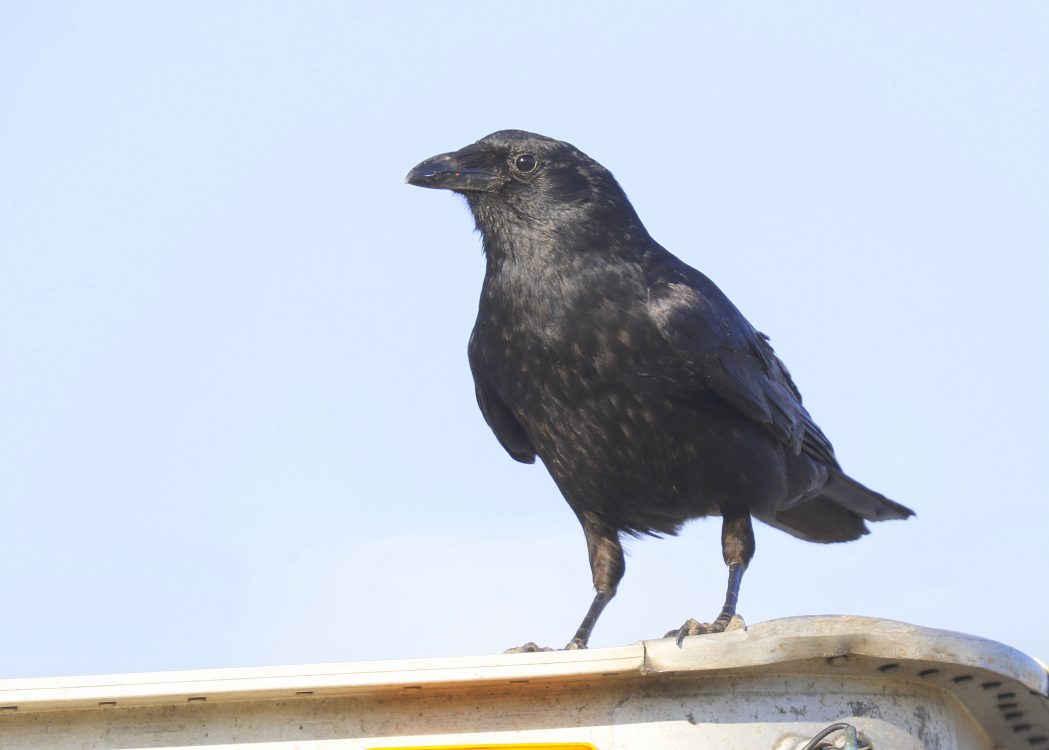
(528, 648)
(694, 627)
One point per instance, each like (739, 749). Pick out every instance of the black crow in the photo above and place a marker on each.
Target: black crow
(648, 396)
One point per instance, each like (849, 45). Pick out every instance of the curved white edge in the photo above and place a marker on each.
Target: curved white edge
(836, 636)
(761, 646)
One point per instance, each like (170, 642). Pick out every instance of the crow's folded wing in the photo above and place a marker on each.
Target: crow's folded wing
(720, 351)
(508, 431)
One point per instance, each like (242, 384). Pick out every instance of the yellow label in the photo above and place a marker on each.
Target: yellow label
(498, 746)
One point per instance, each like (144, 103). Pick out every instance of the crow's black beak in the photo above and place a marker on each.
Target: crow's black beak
(455, 172)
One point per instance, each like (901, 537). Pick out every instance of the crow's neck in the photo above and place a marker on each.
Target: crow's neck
(525, 244)
(553, 278)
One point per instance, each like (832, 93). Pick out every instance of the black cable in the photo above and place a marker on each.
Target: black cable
(814, 742)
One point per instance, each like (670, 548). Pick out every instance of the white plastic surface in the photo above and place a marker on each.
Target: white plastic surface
(902, 685)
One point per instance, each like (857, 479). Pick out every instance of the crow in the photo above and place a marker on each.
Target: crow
(648, 396)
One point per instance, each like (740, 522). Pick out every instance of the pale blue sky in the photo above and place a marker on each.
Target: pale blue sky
(238, 426)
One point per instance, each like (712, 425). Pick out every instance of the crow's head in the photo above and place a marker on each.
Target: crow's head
(515, 180)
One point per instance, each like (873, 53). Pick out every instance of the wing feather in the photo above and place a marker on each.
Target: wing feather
(500, 418)
(723, 353)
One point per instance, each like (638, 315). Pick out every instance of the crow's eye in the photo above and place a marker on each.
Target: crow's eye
(525, 163)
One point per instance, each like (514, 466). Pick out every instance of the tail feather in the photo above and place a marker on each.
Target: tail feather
(861, 500)
(838, 513)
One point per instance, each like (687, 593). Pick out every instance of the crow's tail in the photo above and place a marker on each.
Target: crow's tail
(838, 513)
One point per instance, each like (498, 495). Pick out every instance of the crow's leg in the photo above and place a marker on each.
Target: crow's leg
(737, 547)
(607, 565)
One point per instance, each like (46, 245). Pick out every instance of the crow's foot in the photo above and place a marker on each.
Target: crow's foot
(528, 648)
(694, 627)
